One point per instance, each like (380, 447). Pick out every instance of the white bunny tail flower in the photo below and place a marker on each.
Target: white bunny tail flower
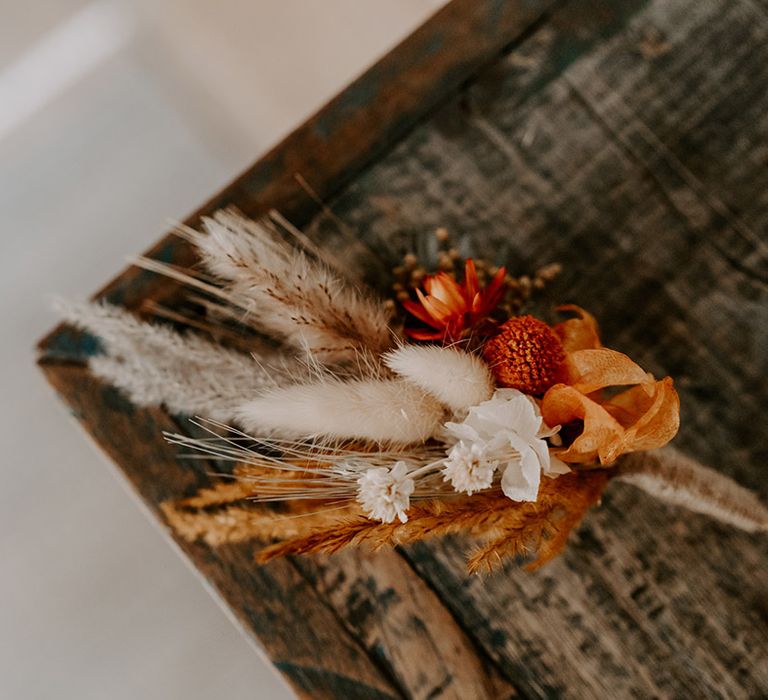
(385, 494)
(457, 378)
(468, 467)
(382, 411)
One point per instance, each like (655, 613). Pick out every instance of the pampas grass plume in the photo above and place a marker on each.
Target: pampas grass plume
(457, 378)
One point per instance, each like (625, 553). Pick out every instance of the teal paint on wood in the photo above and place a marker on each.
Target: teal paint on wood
(70, 344)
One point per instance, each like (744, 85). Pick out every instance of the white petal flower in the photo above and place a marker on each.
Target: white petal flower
(508, 432)
(385, 493)
(556, 467)
(522, 475)
(469, 467)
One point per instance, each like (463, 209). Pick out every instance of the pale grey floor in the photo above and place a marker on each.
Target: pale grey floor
(93, 601)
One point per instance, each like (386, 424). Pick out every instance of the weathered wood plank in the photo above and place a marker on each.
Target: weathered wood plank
(275, 604)
(538, 163)
(700, 111)
(404, 625)
(592, 144)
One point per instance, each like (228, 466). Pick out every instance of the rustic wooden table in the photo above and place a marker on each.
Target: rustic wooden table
(627, 140)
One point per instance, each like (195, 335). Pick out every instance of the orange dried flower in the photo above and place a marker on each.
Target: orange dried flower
(642, 417)
(525, 354)
(452, 310)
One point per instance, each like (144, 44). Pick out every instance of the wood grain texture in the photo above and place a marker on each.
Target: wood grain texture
(403, 624)
(302, 636)
(529, 157)
(626, 140)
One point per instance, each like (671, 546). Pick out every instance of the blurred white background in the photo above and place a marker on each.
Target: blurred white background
(116, 116)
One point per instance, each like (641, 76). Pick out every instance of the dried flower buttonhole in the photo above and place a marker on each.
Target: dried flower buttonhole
(458, 413)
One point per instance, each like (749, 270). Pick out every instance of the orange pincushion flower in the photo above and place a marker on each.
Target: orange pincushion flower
(643, 417)
(451, 309)
(525, 354)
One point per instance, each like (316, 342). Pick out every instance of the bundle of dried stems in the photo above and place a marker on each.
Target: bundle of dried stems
(511, 528)
(358, 384)
(515, 527)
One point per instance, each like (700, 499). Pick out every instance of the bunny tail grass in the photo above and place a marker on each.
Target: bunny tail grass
(287, 293)
(382, 411)
(674, 478)
(455, 377)
(154, 364)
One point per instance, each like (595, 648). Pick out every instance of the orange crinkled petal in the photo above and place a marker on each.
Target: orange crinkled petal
(590, 370)
(602, 432)
(656, 408)
(644, 417)
(578, 333)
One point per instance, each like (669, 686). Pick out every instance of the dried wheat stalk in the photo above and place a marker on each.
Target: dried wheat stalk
(544, 530)
(482, 514)
(512, 528)
(239, 523)
(219, 495)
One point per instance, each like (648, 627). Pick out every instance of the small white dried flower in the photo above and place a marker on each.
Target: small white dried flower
(385, 493)
(469, 467)
(508, 432)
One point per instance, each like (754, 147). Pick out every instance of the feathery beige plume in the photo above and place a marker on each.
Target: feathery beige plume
(154, 364)
(679, 480)
(382, 411)
(286, 293)
(457, 378)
